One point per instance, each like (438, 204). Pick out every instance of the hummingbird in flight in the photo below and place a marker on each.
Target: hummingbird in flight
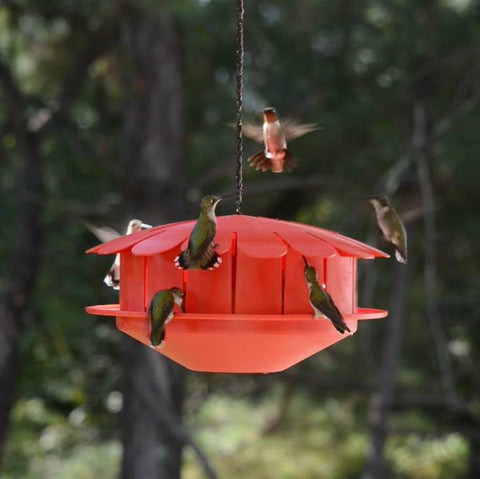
(322, 303)
(275, 157)
(104, 234)
(160, 312)
(200, 252)
(391, 225)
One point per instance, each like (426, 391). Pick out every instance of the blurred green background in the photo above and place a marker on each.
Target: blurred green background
(88, 88)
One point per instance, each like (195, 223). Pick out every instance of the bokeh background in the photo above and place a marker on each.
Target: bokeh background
(117, 109)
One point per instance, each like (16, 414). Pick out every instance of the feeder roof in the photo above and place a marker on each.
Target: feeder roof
(255, 236)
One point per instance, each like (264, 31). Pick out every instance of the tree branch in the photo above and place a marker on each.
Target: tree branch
(430, 267)
(390, 181)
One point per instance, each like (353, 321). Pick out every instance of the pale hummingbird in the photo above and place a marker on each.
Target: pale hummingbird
(104, 234)
(160, 312)
(200, 252)
(391, 225)
(276, 156)
(321, 302)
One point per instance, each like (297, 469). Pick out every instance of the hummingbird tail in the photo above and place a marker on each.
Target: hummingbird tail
(341, 326)
(181, 261)
(157, 338)
(259, 161)
(401, 256)
(290, 162)
(214, 262)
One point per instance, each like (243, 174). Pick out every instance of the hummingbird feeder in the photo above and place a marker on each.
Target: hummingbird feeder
(252, 314)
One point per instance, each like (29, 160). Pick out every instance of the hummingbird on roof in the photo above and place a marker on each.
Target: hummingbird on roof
(160, 312)
(200, 252)
(322, 303)
(391, 225)
(104, 234)
(275, 157)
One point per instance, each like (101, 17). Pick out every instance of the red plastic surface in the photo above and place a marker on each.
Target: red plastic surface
(251, 314)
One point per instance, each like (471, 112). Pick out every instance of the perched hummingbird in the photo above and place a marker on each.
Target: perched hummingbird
(104, 234)
(275, 157)
(200, 252)
(391, 225)
(322, 303)
(160, 312)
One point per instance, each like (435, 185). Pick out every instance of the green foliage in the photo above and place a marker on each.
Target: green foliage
(351, 66)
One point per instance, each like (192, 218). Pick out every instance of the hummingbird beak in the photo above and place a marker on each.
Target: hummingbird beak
(145, 226)
(305, 260)
(227, 196)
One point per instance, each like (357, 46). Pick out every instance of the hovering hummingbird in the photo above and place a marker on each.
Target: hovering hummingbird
(200, 252)
(391, 225)
(275, 157)
(104, 234)
(322, 303)
(160, 312)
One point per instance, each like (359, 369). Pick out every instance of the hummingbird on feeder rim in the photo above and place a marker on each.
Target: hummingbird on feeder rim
(391, 225)
(160, 312)
(104, 234)
(322, 303)
(200, 252)
(276, 157)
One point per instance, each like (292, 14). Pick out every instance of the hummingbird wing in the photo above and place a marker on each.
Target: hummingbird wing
(322, 301)
(253, 131)
(292, 129)
(159, 311)
(290, 162)
(103, 233)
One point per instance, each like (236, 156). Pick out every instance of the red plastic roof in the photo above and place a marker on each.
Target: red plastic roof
(255, 236)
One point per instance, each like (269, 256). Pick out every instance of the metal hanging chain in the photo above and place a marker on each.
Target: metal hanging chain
(239, 91)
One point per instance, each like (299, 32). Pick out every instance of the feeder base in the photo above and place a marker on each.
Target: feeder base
(240, 343)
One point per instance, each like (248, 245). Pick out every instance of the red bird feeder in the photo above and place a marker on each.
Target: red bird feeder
(250, 315)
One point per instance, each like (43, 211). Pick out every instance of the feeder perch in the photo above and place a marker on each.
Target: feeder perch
(250, 315)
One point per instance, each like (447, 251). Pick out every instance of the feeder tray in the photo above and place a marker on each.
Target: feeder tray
(250, 315)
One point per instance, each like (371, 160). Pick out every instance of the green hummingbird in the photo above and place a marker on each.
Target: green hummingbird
(275, 157)
(391, 225)
(200, 252)
(160, 312)
(322, 303)
(104, 234)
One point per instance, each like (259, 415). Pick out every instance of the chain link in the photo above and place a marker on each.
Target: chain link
(239, 92)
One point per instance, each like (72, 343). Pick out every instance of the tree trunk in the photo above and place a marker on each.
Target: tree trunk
(153, 386)
(381, 400)
(20, 277)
